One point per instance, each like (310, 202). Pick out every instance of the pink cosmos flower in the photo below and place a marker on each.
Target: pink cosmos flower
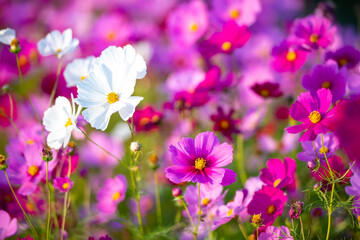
(147, 119)
(287, 58)
(8, 227)
(243, 12)
(224, 123)
(201, 160)
(313, 32)
(275, 233)
(279, 174)
(230, 38)
(63, 184)
(269, 202)
(312, 111)
(188, 22)
(354, 189)
(267, 90)
(111, 194)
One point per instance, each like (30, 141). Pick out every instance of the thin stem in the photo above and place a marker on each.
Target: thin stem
(243, 232)
(56, 83)
(2, 112)
(315, 149)
(327, 162)
(49, 201)
(22, 209)
(11, 106)
(188, 213)
(158, 201)
(131, 130)
(240, 158)
(302, 228)
(198, 223)
(65, 203)
(137, 204)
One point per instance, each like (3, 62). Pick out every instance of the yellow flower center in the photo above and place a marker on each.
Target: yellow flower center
(265, 93)
(315, 117)
(314, 38)
(116, 196)
(83, 77)
(205, 201)
(230, 212)
(143, 121)
(224, 124)
(112, 97)
(291, 56)
(23, 60)
(33, 170)
(155, 118)
(30, 207)
(343, 62)
(326, 84)
(30, 142)
(65, 185)
(323, 150)
(276, 183)
(226, 46)
(358, 218)
(200, 163)
(58, 50)
(68, 123)
(193, 27)
(256, 219)
(271, 209)
(234, 13)
(111, 35)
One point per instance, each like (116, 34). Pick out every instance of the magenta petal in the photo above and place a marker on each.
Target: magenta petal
(179, 174)
(229, 177)
(214, 174)
(204, 143)
(220, 156)
(309, 135)
(299, 112)
(325, 99)
(12, 227)
(27, 188)
(320, 128)
(290, 165)
(180, 155)
(298, 128)
(308, 101)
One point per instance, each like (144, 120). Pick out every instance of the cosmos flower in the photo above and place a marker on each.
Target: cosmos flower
(63, 184)
(109, 87)
(60, 120)
(8, 227)
(327, 76)
(312, 111)
(269, 202)
(147, 119)
(276, 233)
(313, 32)
(78, 70)
(279, 174)
(58, 44)
(201, 160)
(224, 123)
(230, 38)
(354, 189)
(331, 144)
(111, 194)
(7, 35)
(188, 22)
(287, 58)
(243, 12)
(267, 90)
(346, 56)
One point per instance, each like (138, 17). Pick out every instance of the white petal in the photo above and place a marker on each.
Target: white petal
(7, 35)
(128, 110)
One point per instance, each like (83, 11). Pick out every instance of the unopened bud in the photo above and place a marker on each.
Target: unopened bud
(3, 165)
(311, 164)
(317, 186)
(296, 209)
(176, 192)
(154, 161)
(135, 146)
(70, 148)
(15, 46)
(6, 88)
(46, 155)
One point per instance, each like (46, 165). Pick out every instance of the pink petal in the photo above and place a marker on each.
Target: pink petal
(220, 156)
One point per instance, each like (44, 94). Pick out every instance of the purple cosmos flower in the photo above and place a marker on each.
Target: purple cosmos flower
(233, 208)
(279, 174)
(224, 123)
(356, 208)
(313, 32)
(267, 90)
(201, 160)
(106, 237)
(275, 233)
(287, 58)
(354, 189)
(8, 227)
(63, 184)
(188, 22)
(243, 12)
(331, 144)
(312, 111)
(269, 202)
(111, 194)
(326, 76)
(230, 38)
(346, 56)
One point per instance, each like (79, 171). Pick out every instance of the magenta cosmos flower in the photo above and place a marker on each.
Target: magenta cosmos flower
(346, 56)
(287, 58)
(8, 227)
(327, 76)
(312, 111)
(147, 119)
(201, 160)
(63, 184)
(313, 32)
(279, 174)
(267, 90)
(269, 202)
(112, 194)
(225, 123)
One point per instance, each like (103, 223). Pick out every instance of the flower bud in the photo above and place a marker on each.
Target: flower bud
(70, 148)
(154, 161)
(3, 165)
(317, 186)
(176, 192)
(311, 164)
(135, 146)
(296, 209)
(46, 155)
(15, 46)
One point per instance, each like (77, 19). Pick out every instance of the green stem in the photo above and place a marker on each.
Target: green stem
(22, 209)
(49, 201)
(158, 201)
(302, 228)
(240, 158)
(243, 232)
(199, 219)
(56, 83)
(188, 213)
(65, 204)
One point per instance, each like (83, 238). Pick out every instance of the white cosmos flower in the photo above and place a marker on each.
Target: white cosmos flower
(57, 43)
(110, 86)
(78, 70)
(60, 120)
(7, 35)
